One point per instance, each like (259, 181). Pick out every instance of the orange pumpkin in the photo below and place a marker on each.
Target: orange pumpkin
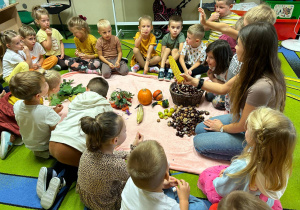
(145, 97)
(157, 95)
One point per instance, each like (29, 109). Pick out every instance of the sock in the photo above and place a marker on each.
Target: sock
(153, 69)
(170, 70)
(161, 69)
(89, 71)
(54, 174)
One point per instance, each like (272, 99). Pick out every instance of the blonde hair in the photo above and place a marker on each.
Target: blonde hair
(239, 24)
(145, 17)
(242, 200)
(79, 24)
(227, 2)
(147, 165)
(38, 11)
(6, 38)
(52, 77)
(272, 140)
(103, 23)
(25, 85)
(261, 13)
(101, 129)
(26, 30)
(197, 30)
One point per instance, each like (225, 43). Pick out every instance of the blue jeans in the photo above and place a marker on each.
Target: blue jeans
(194, 203)
(217, 145)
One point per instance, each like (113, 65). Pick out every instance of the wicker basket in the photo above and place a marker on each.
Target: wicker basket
(185, 100)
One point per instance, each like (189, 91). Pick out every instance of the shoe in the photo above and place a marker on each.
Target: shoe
(98, 71)
(49, 196)
(154, 69)
(6, 144)
(135, 68)
(161, 75)
(169, 76)
(57, 67)
(45, 175)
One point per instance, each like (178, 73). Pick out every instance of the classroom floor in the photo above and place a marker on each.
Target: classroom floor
(21, 168)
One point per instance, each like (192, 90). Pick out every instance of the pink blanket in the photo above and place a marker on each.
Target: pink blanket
(180, 151)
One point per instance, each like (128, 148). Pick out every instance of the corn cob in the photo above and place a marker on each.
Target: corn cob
(175, 69)
(140, 114)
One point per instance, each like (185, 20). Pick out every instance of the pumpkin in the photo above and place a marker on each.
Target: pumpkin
(157, 95)
(145, 97)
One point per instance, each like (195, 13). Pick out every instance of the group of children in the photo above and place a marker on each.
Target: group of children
(83, 143)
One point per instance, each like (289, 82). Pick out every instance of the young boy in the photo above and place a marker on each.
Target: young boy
(68, 142)
(35, 120)
(193, 53)
(109, 51)
(37, 52)
(172, 43)
(222, 15)
(150, 187)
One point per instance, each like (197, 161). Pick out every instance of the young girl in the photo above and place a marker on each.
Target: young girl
(264, 167)
(86, 54)
(17, 56)
(218, 56)
(144, 53)
(102, 171)
(49, 38)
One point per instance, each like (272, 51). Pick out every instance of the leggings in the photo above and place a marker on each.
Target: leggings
(77, 64)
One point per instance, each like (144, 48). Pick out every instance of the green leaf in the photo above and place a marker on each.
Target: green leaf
(78, 89)
(54, 100)
(66, 90)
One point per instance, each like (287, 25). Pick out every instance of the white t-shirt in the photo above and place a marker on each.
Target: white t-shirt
(192, 55)
(36, 52)
(35, 122)
(136, 198)
(10, 60)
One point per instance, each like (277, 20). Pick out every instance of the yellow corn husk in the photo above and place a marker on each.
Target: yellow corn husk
(175, 69)
(140, 114)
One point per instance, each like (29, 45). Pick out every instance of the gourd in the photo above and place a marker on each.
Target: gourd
(164, 103)
(140, 114)
(145, 97)
(157, 95)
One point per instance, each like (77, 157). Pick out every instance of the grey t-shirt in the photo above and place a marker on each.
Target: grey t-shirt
(173, 43)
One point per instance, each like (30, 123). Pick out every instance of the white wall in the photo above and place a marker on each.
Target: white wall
(126, 10)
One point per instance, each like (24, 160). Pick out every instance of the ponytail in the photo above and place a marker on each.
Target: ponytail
(101, 129)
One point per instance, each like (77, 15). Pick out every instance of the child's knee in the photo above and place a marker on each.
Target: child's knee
(106, 74)
(135, 50)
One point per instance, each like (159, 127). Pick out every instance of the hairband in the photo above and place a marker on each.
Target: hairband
(82, 17)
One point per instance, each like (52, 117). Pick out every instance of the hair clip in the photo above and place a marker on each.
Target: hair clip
(82, 17)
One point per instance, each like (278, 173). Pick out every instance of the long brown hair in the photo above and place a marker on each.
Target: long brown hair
(260, 59)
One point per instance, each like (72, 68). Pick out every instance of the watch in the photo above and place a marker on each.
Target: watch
(221, 129)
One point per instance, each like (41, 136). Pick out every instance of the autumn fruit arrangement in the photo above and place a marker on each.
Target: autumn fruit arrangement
(120, 99)
(185, 120)
(66, 91)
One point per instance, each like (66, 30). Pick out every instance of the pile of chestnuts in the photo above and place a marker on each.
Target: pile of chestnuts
(185, 120)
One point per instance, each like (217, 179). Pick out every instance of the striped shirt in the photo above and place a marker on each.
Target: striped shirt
(229, 19)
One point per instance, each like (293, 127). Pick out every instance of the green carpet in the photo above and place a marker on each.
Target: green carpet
(21, 161)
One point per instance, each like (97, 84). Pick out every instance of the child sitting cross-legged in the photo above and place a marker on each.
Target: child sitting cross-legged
(37, 52)
(102, 171)
(150, 187)
(172, 44)
(86, 54)
(265, 165)
(145, 55)
(110, 52)
(36, 121)
(193, 52)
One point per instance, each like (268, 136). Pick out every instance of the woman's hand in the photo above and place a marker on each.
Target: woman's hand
(203, 16)
(213, 125)
(189, 80)
(138, 139)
